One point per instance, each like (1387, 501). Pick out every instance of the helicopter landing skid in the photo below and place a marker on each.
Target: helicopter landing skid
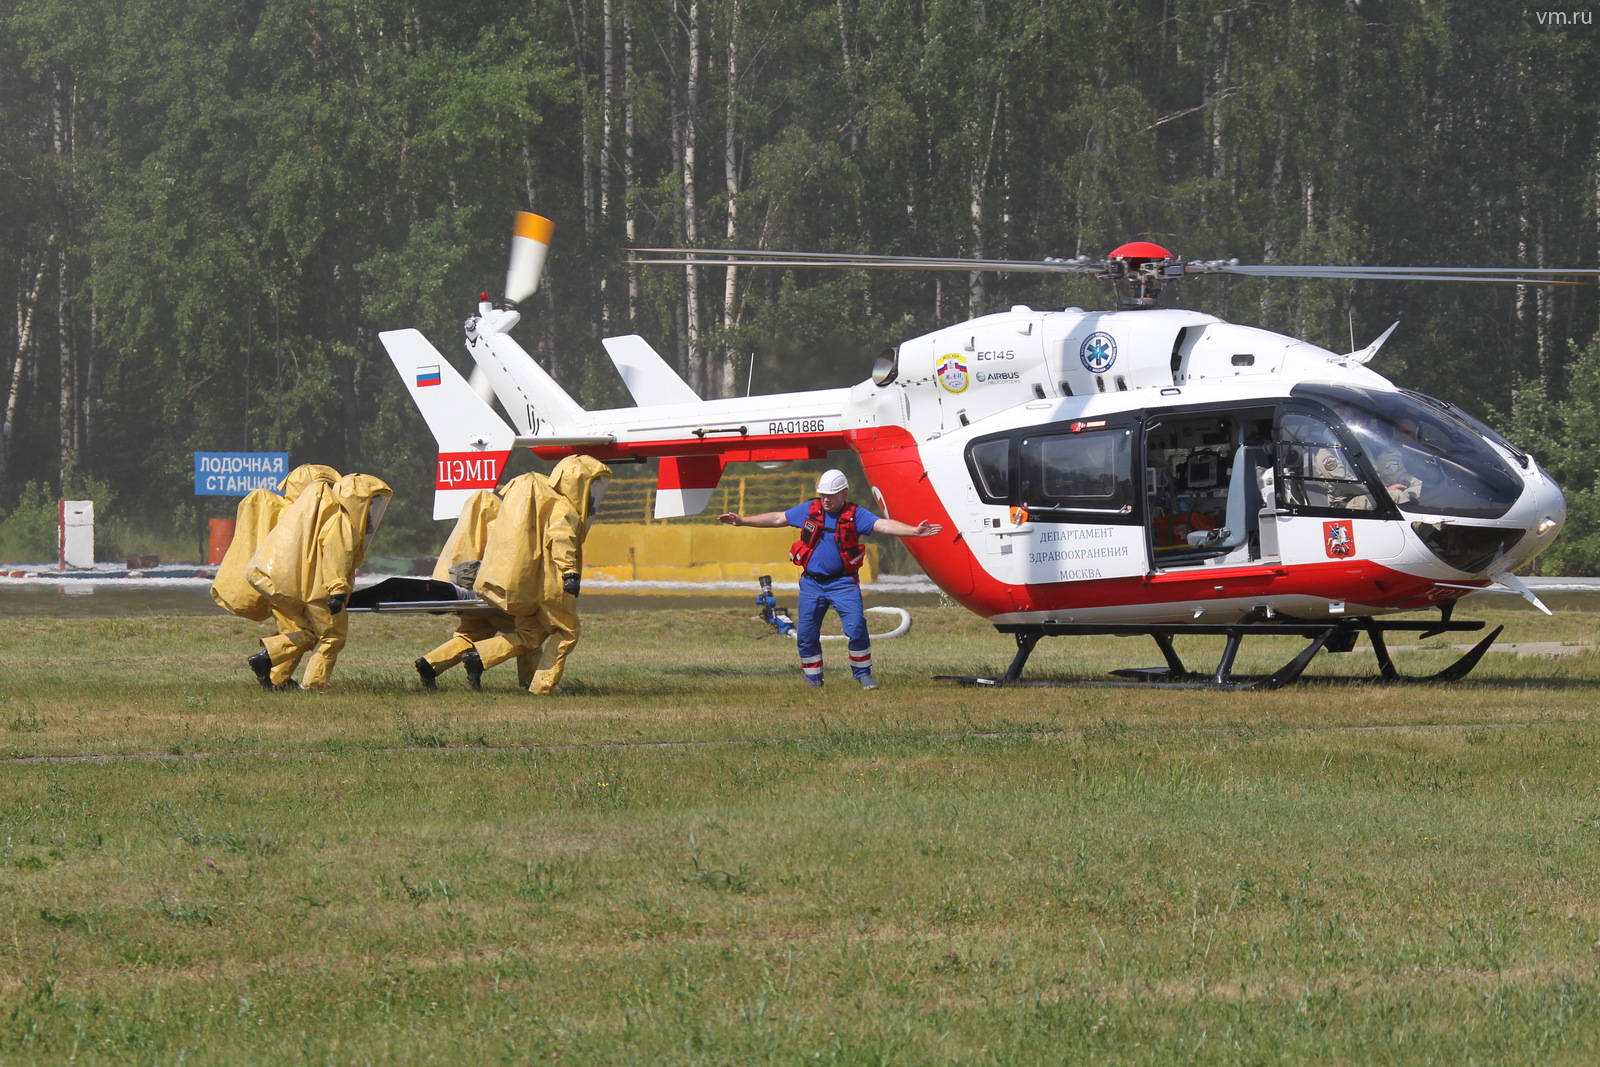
(1321, 636)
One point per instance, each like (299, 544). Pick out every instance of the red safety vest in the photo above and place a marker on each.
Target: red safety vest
(851, 550)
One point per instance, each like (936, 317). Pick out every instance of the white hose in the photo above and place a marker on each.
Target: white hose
(904, 625)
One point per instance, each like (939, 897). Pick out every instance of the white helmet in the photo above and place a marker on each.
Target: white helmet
(832, 481)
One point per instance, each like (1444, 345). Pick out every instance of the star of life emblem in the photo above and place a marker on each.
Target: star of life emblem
(1098, 352)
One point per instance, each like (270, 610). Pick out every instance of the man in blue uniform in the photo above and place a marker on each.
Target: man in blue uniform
(829, 555)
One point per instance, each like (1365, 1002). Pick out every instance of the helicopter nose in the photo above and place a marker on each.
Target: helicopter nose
(1551, 510)
(1543, 510)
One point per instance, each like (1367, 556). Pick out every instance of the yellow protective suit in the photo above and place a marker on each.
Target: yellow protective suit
(536, 529)
(581, 480)
(293, 484)
(309, 559)
(535, 543)
(258, 513)
(466, 544)
(471, 533)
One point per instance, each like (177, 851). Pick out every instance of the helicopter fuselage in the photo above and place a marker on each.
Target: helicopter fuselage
(1147, 467)
(1163, 466)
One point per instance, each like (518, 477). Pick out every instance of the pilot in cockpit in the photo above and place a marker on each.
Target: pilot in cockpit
(1403, 486)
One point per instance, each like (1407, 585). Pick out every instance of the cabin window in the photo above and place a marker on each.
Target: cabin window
(1087, 471)
(991, 466)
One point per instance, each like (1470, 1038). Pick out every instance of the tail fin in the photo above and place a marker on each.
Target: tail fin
(474, 442)
(684, 484)
(648, 377)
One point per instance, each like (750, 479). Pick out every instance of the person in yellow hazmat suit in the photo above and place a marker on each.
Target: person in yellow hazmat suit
(532, 566)
(258, 513)
(458, 563)
(306, 570)
(281, 675)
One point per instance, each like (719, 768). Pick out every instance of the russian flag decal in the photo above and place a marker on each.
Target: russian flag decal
(428, 376)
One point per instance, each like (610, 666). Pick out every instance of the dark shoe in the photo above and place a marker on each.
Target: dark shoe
(474, 665)
(289, 686)
(426, 672)
(261, 663)
(815, 683)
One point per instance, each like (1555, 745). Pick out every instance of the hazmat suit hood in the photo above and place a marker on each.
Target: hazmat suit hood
(364, 498)
(467, 540)
(582, 480)
(310, 554)
(532, 543)
(295, 481)
(258, 513)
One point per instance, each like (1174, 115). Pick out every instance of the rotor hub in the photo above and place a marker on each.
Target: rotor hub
(1135, 270)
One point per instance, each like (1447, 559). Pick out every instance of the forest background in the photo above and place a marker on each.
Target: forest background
(210, 208)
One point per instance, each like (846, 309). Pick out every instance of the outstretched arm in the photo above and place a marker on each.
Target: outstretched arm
(896, 528)
(769, 519)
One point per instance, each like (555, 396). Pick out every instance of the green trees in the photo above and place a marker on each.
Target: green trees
(236, 198)
(211, 209)
(1567, 430)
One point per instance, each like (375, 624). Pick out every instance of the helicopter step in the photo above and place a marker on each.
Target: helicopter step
(1321, 636)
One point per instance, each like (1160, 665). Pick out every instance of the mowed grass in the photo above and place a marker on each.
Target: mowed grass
(694, 859)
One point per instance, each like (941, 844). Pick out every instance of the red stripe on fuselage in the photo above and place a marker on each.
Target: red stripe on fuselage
(893, 464)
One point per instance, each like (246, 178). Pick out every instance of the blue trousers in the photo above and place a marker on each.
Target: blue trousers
(843, 595)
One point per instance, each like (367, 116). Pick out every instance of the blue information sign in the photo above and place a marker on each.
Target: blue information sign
(236, 473)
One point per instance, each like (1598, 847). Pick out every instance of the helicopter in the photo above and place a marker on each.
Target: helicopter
(1139, 471)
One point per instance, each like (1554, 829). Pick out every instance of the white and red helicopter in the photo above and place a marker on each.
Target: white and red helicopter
(1145, 470)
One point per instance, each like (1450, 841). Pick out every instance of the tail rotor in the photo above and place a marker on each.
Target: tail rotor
(530, 244)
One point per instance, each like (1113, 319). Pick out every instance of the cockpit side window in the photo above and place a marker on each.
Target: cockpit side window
(1315, 469)
(1427, 458)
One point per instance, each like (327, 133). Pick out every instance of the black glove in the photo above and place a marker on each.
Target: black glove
(336, 603)
(570, 582)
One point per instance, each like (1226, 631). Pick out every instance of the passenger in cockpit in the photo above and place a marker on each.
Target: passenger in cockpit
(1403, 486)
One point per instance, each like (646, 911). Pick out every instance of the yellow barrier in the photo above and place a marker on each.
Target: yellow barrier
(631, 498)
(691, 552)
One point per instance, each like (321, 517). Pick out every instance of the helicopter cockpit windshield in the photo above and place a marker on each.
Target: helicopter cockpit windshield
(1428, 458)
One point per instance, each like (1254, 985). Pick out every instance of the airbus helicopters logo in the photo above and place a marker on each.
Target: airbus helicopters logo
(951, 370)
(1098, 352)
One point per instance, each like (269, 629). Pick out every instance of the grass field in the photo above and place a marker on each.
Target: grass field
(694, 859)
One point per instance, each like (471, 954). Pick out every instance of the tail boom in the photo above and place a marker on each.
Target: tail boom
(746, 448)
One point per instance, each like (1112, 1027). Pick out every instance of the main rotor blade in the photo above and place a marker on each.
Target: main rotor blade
(1504, 275)
(740, 257)
(1303, 269)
